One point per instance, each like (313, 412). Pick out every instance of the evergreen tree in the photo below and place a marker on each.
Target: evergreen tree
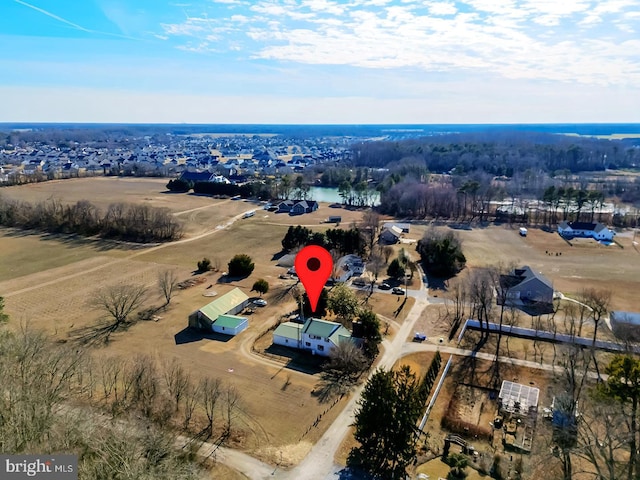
(343, 302)
(441, 253)
(385, 424)
(370, 332)
(261, 286)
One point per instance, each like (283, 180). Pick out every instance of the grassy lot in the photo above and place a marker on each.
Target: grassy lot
(578, 265)
(22, 253)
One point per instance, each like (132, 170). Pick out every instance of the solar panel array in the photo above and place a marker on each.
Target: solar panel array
(515, 393)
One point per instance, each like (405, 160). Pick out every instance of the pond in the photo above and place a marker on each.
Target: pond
(330, 195)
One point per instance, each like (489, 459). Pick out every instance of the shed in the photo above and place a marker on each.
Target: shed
(625, 325)
(230, 324)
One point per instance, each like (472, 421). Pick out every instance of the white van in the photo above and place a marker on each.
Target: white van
(249, 214)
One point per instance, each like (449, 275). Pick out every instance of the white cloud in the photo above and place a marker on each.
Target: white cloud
(442, 8)
(524, 39)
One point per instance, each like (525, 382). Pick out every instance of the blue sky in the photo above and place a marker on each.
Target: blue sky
(320, 61)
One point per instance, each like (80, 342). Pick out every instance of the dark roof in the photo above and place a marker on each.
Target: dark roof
(583, 225)
(196, 176)
(521, 275)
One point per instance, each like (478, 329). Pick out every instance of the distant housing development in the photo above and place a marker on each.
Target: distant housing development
(597, 231)
(316, 336)
(220, 315)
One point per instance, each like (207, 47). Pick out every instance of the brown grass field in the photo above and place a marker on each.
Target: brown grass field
(579, 265)
(48, 281)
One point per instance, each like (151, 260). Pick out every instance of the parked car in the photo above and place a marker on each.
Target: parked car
(419, 337)
(384, 286)
(260, 302)
(398, 290)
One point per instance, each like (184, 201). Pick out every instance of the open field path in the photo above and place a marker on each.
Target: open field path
(204, 207)
(143, 251)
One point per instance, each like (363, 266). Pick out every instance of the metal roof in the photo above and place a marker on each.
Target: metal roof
(224, 304)
(320, 328)
(289, 330)
(230, 321)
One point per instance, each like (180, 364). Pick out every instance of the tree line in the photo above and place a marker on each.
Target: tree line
(503, 153)
(337, 239)
(121, 221)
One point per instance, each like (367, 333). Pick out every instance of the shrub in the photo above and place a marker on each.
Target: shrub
(241, 265)
(261, 286)
(204, 265)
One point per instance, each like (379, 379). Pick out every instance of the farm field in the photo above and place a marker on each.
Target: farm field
(571, 267)
(48, 282)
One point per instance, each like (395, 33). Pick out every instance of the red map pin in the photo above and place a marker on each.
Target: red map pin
(313, 265)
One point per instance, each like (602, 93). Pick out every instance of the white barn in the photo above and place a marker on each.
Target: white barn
(220, 315)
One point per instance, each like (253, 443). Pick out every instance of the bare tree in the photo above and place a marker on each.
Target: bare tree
(176, 379)
(168, 283)
(602, 440)
(598, 301)
(387, 251)
(119, 301)
(110, 371)
(371, 228)
(480, 291)
(210, 390)
(375, 265)
(231, 399)
(143, 378)
(191, 396)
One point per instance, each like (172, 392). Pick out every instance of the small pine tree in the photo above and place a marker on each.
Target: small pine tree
(204, 265)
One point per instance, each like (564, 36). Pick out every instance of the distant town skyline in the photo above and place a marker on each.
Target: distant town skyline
(320, 61)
